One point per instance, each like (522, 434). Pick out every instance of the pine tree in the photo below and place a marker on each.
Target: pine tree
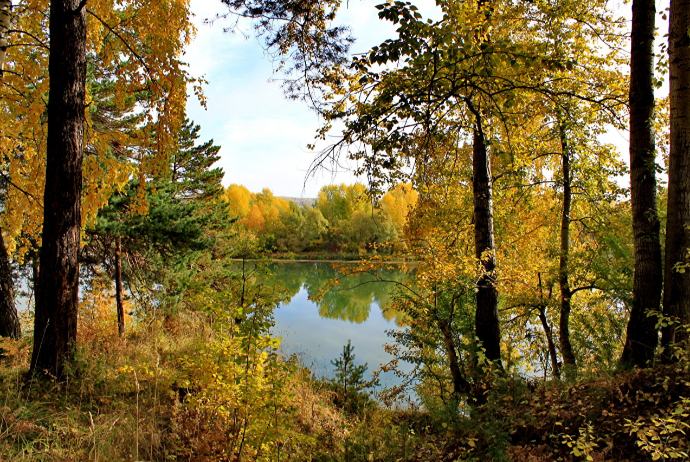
(184, 208)
(57, 293)
(349, 380)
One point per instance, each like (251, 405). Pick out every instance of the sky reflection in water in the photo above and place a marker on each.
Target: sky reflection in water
(354, 311)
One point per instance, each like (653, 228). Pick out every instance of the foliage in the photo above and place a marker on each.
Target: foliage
(349, 384)
(185, 220)
(341, 220)
(137, 85)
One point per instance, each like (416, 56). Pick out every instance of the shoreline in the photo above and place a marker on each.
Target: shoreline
(306, 260)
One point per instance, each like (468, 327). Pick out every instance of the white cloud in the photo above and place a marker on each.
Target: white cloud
(263, 136)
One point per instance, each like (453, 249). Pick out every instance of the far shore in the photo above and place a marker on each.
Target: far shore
(326, 260)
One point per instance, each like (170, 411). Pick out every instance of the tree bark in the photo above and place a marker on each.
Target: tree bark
(460, 384)
(563, 270)
(5, 21)
(677, 288)
(58, 282)
(9, 320)
(548, 331)
(642, 336)
(118, 288)
(486, 318)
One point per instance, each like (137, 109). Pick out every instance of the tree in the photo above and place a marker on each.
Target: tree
(315, 226)
(487, 326)
(191, 167)
(349, 380)
(184, 210)
(138, 48)
(398, 203)
(57, 292)
(9, 321)
(5, 20)
(339, 202)
(676, 303)
(238, 198)
(642, 335)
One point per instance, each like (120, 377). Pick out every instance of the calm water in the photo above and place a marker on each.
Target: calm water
(355, 311)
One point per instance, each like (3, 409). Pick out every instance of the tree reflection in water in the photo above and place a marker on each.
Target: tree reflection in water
(351, 299)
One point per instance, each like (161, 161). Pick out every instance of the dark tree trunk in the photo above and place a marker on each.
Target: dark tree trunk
(118, 288)
(460, 384)
(677, 288)
(9, 321)
(486, 320)
(642, 336)
(58, 282)
(563, 270)
(548, 332)
(549, 341)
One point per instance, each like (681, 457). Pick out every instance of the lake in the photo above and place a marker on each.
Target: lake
(354, 310)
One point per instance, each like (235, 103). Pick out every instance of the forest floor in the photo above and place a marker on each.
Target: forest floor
(635, 416)
(131, 399)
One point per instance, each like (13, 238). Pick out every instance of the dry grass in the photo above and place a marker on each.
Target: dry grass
(122, 401)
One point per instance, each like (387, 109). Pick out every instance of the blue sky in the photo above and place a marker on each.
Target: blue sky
(263, 136)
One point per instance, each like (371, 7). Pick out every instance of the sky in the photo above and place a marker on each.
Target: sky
(263, 136)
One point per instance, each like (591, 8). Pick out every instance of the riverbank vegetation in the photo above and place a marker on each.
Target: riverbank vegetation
(540, 321)
(341, 223)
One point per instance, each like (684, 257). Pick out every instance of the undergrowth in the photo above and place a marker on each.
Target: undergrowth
(184, 391)
(641, 415)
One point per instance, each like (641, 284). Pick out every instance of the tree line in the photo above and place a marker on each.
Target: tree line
(342, 219)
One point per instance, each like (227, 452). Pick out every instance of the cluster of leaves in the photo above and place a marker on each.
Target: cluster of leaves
(136, 95)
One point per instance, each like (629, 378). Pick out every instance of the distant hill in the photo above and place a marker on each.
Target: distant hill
(300, 200)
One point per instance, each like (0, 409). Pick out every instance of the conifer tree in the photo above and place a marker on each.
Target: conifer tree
(184, 207)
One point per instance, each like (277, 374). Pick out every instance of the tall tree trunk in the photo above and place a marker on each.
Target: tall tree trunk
(58, 282)
(486, 319)
(9, 321)
(677, 288)
(118, 288)
(642, 336)
(563, 269)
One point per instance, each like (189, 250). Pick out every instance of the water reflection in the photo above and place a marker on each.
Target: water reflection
(357, 310)
(351, 299)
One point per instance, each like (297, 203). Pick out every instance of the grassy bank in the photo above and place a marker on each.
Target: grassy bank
(182, 390)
